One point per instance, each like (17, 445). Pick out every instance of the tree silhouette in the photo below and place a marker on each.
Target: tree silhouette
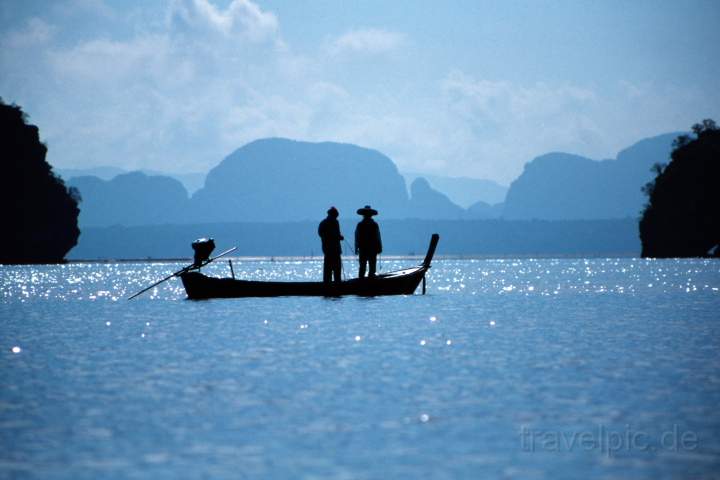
(40, 213)
(681, 218)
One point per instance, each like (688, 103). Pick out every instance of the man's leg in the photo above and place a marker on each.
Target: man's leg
(327, 270)
(372, 259)
(363, 262)
(337, 266)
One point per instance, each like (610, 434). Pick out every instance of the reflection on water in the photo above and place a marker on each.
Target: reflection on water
(498, 372)
(545, 277)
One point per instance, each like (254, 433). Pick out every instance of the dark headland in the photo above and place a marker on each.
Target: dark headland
(682, 217)
(39, 222)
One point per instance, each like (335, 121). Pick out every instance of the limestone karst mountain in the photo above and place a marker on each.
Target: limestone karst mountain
(282, 180)
(131, 199)
(561, 186)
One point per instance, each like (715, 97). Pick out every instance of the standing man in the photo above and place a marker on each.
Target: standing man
(367, 241)
(329, 231)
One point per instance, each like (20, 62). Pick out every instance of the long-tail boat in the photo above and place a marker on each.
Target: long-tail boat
(401, 282)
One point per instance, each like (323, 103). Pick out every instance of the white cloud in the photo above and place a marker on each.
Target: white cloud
(180, 94)
(366, 41)
(176, 98)
(109, 61)
(209, 80)
(241, 18)
(496, 126)
(503, 101)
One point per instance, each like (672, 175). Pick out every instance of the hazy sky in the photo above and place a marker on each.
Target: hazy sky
(463, 88)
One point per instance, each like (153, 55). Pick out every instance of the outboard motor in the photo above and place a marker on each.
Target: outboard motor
(202, 247)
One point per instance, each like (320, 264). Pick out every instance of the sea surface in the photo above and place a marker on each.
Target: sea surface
(507, 368)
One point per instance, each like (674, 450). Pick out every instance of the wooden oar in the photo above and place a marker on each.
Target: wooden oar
(184, 270)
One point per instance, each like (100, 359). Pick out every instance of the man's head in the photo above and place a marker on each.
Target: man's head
(333, 212)
(367, 211)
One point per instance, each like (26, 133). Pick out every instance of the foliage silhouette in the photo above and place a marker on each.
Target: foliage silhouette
(681, 218)
(40, 224)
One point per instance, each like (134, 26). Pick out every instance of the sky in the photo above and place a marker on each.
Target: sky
(458, 88)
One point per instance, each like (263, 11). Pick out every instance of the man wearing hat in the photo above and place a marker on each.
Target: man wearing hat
(329, 231)
(367, 241)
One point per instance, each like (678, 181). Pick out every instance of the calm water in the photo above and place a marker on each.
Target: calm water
(603, 368)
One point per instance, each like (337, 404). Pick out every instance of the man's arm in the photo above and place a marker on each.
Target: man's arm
(357, 234)
(379, 240)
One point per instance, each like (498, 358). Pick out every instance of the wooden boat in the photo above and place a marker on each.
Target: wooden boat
(400, 282)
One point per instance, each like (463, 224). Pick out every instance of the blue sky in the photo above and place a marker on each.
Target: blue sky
(461, 88)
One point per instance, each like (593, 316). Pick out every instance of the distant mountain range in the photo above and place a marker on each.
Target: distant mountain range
(281, 180)
(191, 181)
(561, 186)
(427, 203)
(130, 199)
(463, 191)
(269, 180)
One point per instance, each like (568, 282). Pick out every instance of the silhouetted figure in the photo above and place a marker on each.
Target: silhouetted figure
(329, 231)
(368, 243)
(681, 218)
(39, 220)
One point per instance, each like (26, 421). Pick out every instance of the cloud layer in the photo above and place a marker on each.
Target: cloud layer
(179, 88)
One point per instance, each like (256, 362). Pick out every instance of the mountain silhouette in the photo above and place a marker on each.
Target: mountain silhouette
(280, 180)
(559, 186)
(270, 180)
(102, 172)
(131, 199)
(427, 203)
(191, 181)
(463, 191)
(482, 210)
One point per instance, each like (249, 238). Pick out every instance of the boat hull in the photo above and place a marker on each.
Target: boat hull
(401, 282)
(404, 282)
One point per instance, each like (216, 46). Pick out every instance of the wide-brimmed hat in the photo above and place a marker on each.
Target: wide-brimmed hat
(366, 210)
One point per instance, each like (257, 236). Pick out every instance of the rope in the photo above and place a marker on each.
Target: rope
(342, 263)
(342, 269)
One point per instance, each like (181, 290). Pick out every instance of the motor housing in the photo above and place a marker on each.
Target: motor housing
(202, 247)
